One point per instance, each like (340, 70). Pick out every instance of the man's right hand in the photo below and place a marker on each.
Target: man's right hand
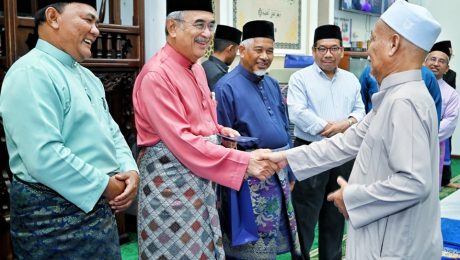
(261, 169)
(114, 188)
(333, 128)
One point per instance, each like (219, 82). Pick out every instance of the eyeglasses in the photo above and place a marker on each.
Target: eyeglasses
(200, 25)
(439, 60)
(323, 50)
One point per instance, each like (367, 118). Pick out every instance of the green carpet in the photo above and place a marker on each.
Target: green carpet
(129, 250)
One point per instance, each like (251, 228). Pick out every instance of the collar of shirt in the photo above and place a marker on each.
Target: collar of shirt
(250, 76)
(322, 74)
(394, 80)
(53, 51)
(220, 64)
(177, 57)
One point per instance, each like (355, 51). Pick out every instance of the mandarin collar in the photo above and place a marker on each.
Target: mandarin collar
(393, 80)
(177, 57)
(400, 78)
(322, 73)
(58, 54)
(250, 76)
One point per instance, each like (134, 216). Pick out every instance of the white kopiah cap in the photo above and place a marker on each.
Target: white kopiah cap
(413, 22)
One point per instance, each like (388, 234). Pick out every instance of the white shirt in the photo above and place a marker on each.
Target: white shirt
(314, 100)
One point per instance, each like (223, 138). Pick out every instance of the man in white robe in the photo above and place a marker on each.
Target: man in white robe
(391, 199)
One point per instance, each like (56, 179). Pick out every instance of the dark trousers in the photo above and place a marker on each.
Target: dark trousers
(446, 170)
(311, 207)
(446, 175)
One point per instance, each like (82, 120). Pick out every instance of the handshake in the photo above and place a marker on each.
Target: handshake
(263, 163)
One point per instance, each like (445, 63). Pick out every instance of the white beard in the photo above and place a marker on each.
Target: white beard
(260, 72)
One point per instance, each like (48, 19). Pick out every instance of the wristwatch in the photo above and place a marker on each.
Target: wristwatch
(350, 122)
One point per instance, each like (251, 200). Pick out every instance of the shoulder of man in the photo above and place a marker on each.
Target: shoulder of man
(349, 77)
(209, 65)
(303, 72)
(271, 79)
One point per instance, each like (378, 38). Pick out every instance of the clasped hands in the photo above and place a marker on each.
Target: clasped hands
(333, 128)
(122, 190)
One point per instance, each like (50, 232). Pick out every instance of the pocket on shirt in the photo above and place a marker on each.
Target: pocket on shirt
(398, 235)
(104, 106)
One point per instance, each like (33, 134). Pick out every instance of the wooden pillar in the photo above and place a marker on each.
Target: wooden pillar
(10, 36)
(114, 14)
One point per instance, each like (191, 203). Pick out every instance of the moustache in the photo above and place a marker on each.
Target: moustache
(201, 39)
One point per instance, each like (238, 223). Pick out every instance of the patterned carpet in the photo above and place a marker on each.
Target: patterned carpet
(129, 250)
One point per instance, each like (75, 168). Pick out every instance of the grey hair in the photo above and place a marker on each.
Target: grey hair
(428, 55)
(176, 15)
(247, 43)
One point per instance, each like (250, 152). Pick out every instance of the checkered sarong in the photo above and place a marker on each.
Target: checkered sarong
(177, 216)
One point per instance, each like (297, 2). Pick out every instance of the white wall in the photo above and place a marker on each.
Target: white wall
(126, 11)
(361, 24)
(446, 12)
(155, 17)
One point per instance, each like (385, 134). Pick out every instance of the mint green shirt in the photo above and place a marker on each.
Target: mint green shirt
(58, 128)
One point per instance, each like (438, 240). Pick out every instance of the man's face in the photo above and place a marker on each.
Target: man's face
(438, 62)
(194, 33)
(258, 57)
(378, 47)
(77, 30)
(327, 53)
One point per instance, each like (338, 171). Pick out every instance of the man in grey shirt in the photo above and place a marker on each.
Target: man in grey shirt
(391, 199)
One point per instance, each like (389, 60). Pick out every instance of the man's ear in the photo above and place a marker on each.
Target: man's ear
(52, 17)
(229, 48)
(241, 49)
(426, 58)
(171, 26)
(395, 44)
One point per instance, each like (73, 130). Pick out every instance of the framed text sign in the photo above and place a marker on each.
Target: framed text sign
(288, 16)
(345, 28)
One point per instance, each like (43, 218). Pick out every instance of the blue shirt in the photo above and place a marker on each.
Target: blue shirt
(253, 106)
(58, 128)
(314, 99)
(369, 86)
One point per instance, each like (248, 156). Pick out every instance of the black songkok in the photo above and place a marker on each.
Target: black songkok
(228, 33)
(188, 5)
(44, 3)
(259, 28)
(327, 31)
(442, 46)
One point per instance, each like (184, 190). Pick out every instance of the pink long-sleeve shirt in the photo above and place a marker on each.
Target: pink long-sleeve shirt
(172, 103)
(449, 111)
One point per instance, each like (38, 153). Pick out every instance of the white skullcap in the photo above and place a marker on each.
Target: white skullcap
(413, 22)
